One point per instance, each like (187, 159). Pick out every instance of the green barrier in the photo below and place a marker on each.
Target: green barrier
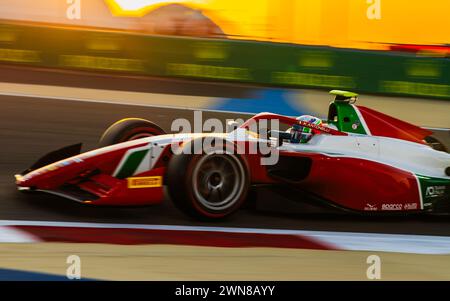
(242, 61)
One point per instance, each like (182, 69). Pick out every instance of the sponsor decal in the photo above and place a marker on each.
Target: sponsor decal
(59, 165)
(410, 206)
(392, 207)
(90, 154)
(31, 175)
(370, 207)
(62, 164)
(435, 191)
(145, 182)
(314, 126)
(52, 167)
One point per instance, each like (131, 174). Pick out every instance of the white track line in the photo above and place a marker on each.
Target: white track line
(418, 244)
(11, 235)
(130, 103)
(122, 103)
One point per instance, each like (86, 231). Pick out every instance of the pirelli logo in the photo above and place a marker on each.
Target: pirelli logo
(145, 182)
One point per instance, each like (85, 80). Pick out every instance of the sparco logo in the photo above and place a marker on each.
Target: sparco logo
(391, 207)
(435, 191)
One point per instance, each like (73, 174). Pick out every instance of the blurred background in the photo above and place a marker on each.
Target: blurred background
(282, 55)
(374, 46)
(379, 47)
(371, 24)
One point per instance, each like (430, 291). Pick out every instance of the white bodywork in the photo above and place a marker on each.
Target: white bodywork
(413, 157)
(409, 156)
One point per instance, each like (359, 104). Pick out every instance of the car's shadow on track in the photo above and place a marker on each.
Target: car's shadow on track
(47, 207)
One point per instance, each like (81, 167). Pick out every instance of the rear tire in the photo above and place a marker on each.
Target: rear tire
(129, 129)
(208, 186)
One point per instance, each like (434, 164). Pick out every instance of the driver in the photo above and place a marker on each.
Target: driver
(302, 134)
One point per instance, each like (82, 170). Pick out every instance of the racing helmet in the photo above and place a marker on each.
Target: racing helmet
(305, 133)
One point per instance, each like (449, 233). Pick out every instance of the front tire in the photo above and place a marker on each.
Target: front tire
(129, 129)
(209, 186)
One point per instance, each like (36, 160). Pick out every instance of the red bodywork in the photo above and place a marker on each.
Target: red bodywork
(362, 185)
(386, 126)
(93, 175)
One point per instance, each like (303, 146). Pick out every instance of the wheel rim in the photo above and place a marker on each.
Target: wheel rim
(218, 181)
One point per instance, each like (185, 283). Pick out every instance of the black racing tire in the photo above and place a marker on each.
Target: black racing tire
(129, 129)
(436, 144)
(251, 201)
(208, 186)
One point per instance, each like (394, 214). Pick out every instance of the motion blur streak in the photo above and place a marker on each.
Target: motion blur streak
(71, 231)
(341, 23)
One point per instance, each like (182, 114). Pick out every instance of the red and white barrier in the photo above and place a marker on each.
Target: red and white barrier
(133, 234)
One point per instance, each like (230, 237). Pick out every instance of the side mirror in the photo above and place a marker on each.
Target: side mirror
(281, 136)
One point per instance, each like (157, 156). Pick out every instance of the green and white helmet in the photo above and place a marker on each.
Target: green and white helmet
(307, 133)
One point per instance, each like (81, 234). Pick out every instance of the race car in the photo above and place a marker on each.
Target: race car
(358, 160)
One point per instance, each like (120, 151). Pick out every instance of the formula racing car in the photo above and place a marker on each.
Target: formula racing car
(358, 160)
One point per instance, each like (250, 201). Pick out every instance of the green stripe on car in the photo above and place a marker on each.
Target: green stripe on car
(131, 164)
(349, 120)
(434, 190)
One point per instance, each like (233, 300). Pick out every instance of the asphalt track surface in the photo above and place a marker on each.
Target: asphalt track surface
(31, 127)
